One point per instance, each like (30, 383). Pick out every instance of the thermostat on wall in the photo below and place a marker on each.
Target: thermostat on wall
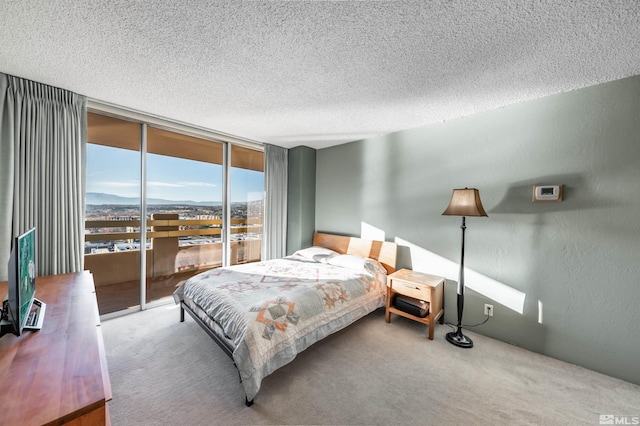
(547, 192)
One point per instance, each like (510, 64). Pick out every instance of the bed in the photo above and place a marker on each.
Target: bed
(263, 314)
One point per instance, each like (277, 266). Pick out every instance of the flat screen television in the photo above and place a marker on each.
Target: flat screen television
(21, 310)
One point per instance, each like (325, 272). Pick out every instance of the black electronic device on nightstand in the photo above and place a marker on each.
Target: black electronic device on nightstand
(412, 306)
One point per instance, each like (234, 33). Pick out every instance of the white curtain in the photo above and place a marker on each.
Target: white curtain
(43, 148)
(6, 178)
(274, 238)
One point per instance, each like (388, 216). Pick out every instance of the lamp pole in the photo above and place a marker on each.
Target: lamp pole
(456, 337)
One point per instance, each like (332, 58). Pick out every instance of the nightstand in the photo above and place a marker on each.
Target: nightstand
(418, 285)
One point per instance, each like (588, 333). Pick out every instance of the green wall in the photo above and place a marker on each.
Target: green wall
(564, 278)
(301, 198)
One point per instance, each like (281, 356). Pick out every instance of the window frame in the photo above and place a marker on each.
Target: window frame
(147, 121)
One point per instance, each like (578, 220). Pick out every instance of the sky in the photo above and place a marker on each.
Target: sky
(117, 171)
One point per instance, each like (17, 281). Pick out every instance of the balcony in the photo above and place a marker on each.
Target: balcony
(176, 249)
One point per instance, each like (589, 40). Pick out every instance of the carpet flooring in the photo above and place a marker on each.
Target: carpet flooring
(164, 372)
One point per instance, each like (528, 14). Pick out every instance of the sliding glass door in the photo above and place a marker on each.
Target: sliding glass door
(112, 211)
(201, 200)
(184, 206)
(246, 190)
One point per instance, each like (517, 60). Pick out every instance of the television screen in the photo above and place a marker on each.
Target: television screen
(26, 252)
(21, 310)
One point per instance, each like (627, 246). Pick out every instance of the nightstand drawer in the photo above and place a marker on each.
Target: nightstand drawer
(411, 290)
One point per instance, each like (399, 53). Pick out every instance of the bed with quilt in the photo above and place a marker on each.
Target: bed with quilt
(263, 314)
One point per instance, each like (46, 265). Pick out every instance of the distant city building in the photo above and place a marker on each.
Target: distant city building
(250, 212)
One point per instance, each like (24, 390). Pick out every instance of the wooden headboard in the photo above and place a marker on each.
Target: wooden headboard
(382, 251)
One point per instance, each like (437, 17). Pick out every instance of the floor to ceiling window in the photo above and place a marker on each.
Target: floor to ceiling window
(201, 210)
(112, 212)
(246, 202)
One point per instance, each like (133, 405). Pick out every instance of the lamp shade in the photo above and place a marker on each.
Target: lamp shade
(465, 202)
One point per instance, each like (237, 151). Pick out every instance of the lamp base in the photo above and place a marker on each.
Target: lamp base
(459, 339)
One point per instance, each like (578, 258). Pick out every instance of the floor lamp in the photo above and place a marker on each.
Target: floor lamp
(464, 202)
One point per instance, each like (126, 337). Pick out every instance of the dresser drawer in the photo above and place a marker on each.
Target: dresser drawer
(411, 290)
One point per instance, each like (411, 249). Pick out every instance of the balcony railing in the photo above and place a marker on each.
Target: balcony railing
(174, 253)
(207, 227)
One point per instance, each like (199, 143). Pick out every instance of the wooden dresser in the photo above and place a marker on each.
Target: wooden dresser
(57, 375)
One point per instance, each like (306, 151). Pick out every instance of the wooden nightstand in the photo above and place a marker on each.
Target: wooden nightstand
(418, 285)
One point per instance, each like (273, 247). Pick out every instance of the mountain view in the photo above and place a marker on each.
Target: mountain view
(101, 206)
(99, 198)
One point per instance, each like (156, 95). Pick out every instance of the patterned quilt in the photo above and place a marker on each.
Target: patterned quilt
(275, 309)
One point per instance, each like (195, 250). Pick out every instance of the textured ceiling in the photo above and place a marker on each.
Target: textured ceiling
(318, 73)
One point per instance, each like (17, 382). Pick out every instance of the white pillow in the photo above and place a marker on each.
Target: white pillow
(317, 254)
(357, 263)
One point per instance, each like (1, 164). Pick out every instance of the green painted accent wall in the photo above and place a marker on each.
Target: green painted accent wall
(301, 198)
(563, 278)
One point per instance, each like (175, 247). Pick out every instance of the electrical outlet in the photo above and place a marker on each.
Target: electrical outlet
(488, 309)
